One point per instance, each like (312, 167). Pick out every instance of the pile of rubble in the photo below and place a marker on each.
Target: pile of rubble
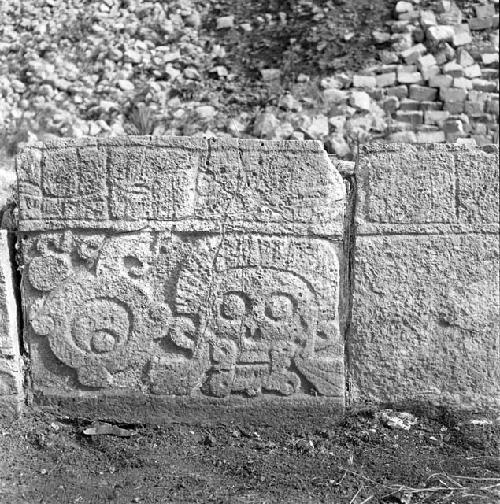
(130, 66)
(440, 80)
(437, 82)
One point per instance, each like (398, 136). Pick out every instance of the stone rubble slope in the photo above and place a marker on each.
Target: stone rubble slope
(103, 68)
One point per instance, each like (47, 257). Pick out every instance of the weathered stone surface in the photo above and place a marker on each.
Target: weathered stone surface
(427, 189)
(200, 271)
(10, 361)
(179, 183)
(425, 321)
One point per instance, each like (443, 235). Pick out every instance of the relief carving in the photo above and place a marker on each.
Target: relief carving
(182, 267)
(246, 314)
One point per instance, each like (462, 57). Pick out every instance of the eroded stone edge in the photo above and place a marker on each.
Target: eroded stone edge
(11, 363)
(363, 229)
(305, 148)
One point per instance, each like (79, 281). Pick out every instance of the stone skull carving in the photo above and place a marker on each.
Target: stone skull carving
(260, 317)
(248, 319)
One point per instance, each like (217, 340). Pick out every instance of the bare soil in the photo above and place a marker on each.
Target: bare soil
(355, 459)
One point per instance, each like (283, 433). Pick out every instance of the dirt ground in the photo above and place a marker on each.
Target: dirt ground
(356, 458)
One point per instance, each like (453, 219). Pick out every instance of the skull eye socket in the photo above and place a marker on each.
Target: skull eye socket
(279, 306)
(234, 305)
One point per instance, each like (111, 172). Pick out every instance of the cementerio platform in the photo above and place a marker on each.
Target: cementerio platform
(161, 276)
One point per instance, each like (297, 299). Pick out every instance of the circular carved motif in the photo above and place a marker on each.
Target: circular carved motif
(234, 305)
(96, 325)
(101, 325)
(279, 306)
(45, 273)
(42, 325)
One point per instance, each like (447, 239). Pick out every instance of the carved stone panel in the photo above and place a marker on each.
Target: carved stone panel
(183, 183)
(426, 294)
(179, 290)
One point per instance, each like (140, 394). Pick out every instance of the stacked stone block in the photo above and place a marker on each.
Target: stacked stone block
(437, 83)
(426, 296)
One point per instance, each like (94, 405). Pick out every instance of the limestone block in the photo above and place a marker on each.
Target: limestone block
(364, 81)
(426, 321)
(490, 58)
(492, 106)
(462, 35)
(441, 81)
(482, 139)
(488, 73)
(402, 137)
(450, 16)
(427, 18)
(410, 116)
(431, 105)
(485, 11)
(474, 108)
(225, 22)
(360, 100)
(398, 91)
(452, 94)
(406, 68)
(390, 104)
(454, 69)
(454, 107)
(194, 268)
(462, 82)
(333, 95)
(422, 93)
(409, 104)
(436, 117)
(440, 33)
(426, 61)
(386, 79)
(338, 145)
(430, 71)
(485, 85)
(413, 53)
(464, 58)
(402, 7)
(409, 77)
(472, 71)
(445, 53)
(466, 141)
(430, 136)
(453, 128)
(408, 16)
(11, 391)
(318, 127)
(477, 24)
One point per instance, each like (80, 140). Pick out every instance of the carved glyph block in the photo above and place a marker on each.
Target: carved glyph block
(173, 267)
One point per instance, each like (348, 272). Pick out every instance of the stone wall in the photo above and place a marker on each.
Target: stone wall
(159, 272)
(439, 80)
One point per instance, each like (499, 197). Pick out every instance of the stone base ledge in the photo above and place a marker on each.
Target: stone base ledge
(130, 408)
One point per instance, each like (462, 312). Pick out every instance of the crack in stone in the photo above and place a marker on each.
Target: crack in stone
(349, 246)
